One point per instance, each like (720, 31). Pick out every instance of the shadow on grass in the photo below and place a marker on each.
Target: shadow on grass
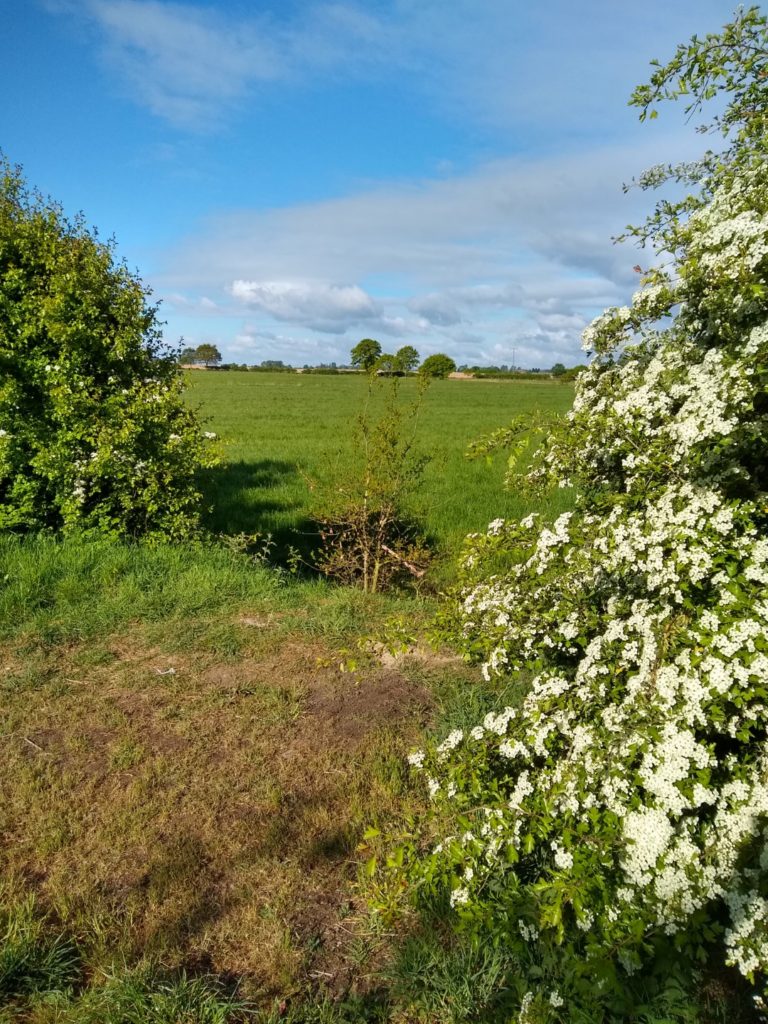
(244, 498)
(241, 498)
(239, 494)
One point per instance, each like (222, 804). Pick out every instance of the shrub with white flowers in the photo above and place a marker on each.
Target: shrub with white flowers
(94, 432)
(613, 826)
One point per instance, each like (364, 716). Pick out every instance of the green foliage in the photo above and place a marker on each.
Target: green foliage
(731, 65)
(558, 370)
(94, 434)
(208, 354)
(369, 536)
(572, 372)
(365, 353)
(32, 959)
(388, 365)
(610, 832)
(438, 365)
(520, 438)
(407, 358)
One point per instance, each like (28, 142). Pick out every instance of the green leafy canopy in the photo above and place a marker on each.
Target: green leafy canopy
(94, 432)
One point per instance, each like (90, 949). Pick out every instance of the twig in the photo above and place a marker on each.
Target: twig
(411, 568)
(33, 744)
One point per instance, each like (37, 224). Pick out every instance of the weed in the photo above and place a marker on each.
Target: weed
(31, 960)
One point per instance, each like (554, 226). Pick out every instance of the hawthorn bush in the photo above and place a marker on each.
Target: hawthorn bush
(94, 433)
(611, 830)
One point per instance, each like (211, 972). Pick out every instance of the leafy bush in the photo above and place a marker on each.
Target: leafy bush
(611, 831)
(94, 434)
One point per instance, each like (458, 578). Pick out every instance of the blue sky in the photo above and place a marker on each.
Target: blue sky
(290, 177)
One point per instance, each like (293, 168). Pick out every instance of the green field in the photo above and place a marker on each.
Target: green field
(281, 431)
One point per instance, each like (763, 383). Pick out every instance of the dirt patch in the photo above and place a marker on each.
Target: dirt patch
(422, 654)
(214, 813)
(349, 709)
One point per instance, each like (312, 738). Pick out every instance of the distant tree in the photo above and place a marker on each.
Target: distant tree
(187, 356)
(407, 357)
(558, 369)
(207, 354)
(438, 365)
(272, 364)
(389, 365)
(365, 353)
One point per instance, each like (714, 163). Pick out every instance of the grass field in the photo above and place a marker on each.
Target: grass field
(185, 771)
(282, 430)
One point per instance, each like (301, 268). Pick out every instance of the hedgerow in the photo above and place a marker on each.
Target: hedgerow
(94, 432)
(612, 829)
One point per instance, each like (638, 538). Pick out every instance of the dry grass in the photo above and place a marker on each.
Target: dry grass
(207, 810)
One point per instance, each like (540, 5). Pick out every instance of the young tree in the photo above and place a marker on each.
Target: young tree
(438, 365)
(208, 354)
(365, 353)
(187, 356)
(407, 358)
(610, 830)
(370, 535)
(94, 432)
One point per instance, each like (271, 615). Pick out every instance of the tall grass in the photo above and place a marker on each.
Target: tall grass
(32, 960)
(42, 981)
(79, 590)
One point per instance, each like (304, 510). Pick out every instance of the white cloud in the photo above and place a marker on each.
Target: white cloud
(491, 62)
(185, 63)
(193, 64)
(326, 307)
(436, 309)
(515, 254)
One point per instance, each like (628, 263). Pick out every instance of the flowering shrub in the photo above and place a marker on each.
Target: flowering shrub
(613, 826)
(94, 434)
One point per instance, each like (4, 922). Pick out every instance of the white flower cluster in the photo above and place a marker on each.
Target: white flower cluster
(637, 762)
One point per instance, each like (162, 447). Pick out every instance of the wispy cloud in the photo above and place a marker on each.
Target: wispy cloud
(193, 64)
(513, 256)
